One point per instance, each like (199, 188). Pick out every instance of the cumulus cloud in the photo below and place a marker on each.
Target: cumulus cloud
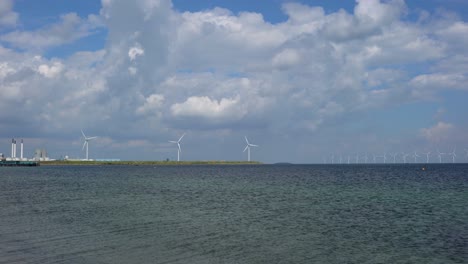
(286, 59)
(134, 52)
(50, 71)
(152, 103)
(206, 108)
(8, 17)
(379, 12)
(440, 132)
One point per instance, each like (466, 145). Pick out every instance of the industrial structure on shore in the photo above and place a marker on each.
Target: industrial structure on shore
(14, 160)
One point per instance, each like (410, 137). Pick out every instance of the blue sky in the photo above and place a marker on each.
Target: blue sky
(305, 80)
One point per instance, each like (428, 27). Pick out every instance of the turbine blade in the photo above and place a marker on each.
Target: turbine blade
(179, 147)
(173, 141)
(181, 138)
(246, 147)
(90, 138)
(252, 145)
(84, 144)
(83, 133)
(246, 140)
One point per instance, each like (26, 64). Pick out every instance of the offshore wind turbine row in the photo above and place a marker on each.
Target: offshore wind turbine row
(398, 157)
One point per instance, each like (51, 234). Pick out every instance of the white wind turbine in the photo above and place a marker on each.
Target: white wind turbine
(404, 155)
(393, 155)
(416, 156)
(86, 142)
(453, 155)
(366, 158)
(178, 146)
(248, 148)
(440, 155)
(427, 156)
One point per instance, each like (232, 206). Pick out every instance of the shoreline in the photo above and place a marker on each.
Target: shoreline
(144, 163)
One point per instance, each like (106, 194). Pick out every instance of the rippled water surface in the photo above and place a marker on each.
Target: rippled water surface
(234, 214)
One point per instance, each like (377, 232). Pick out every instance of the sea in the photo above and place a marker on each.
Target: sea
(410, 213)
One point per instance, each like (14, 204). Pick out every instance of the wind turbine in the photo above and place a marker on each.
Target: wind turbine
(248, 148)
(453, 155)
(427, 156)
(416, 156)
(86, 142)
(393, 155)
(404, 156)
(440, 155)
(365, 158)
(178, 146)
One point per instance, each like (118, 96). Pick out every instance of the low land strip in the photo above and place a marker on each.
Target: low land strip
(145, 163)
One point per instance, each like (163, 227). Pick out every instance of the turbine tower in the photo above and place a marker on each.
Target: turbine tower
(365, 158)
(178, 146)
(440, 155)
(404, 156)
(416, 156)
(86, 142)
(248, 148)
(453, 155)
(427, 156)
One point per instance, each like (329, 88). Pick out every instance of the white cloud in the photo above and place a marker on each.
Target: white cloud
(439, 81)
(5, 70)
(152, 103)
(378, 12)
(135, 52)
(70, 28)
(439, 133)
(50, 71)
(8, 17)
(204, 107)
(286, 59)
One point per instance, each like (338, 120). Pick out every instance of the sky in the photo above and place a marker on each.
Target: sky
(304, 80)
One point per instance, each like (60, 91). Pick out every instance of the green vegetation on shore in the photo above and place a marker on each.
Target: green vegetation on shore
(145, 163)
